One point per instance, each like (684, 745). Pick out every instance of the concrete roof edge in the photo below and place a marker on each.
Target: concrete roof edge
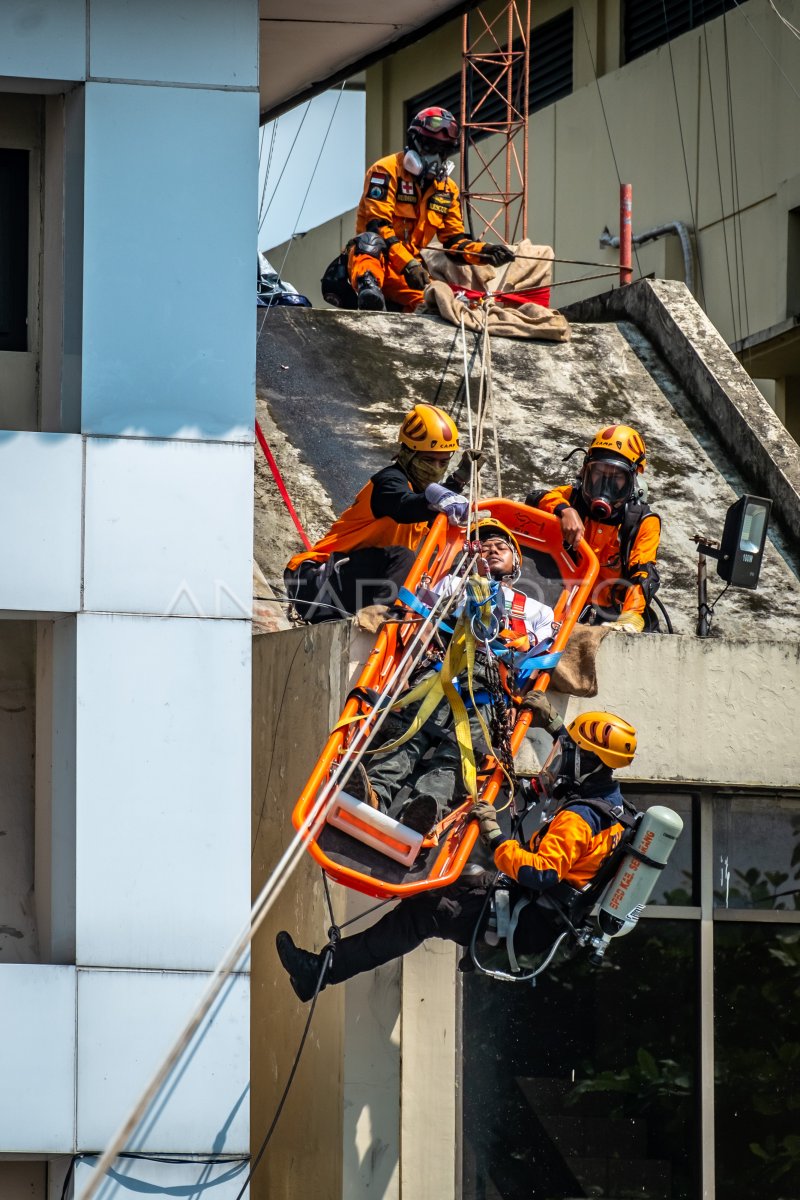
(715, 380)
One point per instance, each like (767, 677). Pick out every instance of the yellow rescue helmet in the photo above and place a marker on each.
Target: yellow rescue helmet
(622, 441)
(482, 527)
(605, 734)
(429, 429)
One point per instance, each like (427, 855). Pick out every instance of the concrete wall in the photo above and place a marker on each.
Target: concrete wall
(298, 687)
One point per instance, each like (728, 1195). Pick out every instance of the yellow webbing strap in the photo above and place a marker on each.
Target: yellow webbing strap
(439, 686)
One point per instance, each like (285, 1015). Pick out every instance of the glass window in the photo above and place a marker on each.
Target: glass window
(676, 883)
(13, 249)
(757, 852)
(585, 1085)
(757, 1048)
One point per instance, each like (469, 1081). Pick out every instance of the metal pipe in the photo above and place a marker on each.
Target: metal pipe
(624, 239)
(650, 235)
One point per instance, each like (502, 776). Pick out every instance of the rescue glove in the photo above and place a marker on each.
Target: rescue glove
(485, 815)
(628, 622)
(497, 255)
(463, 470)
(455, 507)
(415, 275)
(543, 715)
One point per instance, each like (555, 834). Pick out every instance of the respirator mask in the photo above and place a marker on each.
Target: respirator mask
(565, 769)
(606, 484)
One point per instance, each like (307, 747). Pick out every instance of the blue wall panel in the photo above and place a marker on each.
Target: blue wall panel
(169, 262)
(43, 39)
(184, 41)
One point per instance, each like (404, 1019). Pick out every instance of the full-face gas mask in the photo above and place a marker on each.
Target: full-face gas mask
(432, 135)
(565, 769)
(607, 484)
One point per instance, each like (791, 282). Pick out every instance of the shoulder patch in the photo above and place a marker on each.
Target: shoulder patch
(378, 184)
(441, 202)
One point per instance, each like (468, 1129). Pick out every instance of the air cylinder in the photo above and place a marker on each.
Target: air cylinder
(626, 895)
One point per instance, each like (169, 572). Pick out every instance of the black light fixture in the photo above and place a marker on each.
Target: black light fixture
(738, 554)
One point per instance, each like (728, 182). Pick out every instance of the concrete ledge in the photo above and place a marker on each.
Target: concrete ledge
(713, 378)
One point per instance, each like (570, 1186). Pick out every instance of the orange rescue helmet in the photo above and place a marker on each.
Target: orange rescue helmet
(620, 441)
(428, 429)
(608, 736)
(486, 526)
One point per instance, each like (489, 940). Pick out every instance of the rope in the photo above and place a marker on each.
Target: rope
(275, 883)
(276, 475)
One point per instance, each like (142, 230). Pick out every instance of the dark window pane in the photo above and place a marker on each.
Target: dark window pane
(757, 1011)
(651, 23)
(676, 883)
(13, 249)
(584, 1085)
(757, 852)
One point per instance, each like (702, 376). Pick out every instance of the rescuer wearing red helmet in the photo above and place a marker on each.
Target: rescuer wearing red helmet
(367, 553)
(408, 200)
(605, 506)
(567, 852)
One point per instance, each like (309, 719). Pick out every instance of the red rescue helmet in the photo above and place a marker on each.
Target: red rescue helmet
(434, 125)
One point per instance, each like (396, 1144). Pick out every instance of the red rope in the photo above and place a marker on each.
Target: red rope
(276, 475)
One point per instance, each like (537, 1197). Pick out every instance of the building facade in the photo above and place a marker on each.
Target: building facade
(128, 141)
(695, 106)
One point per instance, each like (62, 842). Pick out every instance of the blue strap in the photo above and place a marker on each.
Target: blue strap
(416, 605)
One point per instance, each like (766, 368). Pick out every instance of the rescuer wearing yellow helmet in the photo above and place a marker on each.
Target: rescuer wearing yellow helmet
(569, 849)
(409, 199)
(366, 554)
(605, 506)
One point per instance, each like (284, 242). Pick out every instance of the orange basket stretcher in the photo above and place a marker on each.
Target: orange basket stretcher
(370, 851)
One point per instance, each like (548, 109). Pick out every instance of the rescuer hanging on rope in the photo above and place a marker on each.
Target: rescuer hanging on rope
(606, 506)
(523, 627)
(366, 555)
(408, 200)
(566, 853)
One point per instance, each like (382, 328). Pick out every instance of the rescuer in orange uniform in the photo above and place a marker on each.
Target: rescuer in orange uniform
(367, 553)
(569, 849)
(408, 200)
(606, 507)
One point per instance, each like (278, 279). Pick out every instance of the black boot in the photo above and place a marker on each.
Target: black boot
(304, 967)
(420, 814)
(370, 296)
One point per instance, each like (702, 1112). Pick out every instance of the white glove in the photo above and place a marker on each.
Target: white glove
(455, 507)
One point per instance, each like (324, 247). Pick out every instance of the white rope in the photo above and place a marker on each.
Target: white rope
(277, 880)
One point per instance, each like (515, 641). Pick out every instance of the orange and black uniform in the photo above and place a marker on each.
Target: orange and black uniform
(571, 849)
(367, 553)
(624, 569)
(406, 213)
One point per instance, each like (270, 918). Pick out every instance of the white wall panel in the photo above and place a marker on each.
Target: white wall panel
(163, 790)
(37, 1060)
(40, 522)
(185, 41)
(168, 527)
(199, 1182)
(127, 1021)
(169, 262)
(43, 40)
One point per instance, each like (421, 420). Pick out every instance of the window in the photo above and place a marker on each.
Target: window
(550, 76)
(13, 249)
(592, 1084)
(651, 23)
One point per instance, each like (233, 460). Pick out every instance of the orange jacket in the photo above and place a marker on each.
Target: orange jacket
(604, 540)
(572, 848)
(409, 213)
(386, 512)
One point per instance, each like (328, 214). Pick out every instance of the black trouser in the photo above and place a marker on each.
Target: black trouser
(348, 581)
(450, 913)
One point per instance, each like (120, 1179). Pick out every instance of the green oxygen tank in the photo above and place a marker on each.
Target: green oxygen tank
(626, 895)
